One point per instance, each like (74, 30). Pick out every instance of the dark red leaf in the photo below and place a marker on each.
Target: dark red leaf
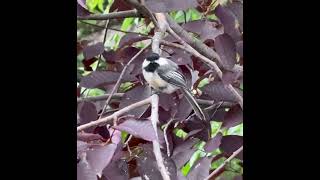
(203, 5)
(102, 131)
(136, 94)
(197, 128)
(157, 6)
(179, 56)
(233, 117)
(141, 129)
(226, 49)
(231, 143)
(101, 78)
(131, 38)
(87, 137)
(100, 156)
(87, 112)
(125, 54)
(78, 91)
(166, 101)
(87, 63)
(120, 5)
(93, 50)
(206, 29)
(228, 77)
(213, 143)
(109, 56)
(183, 152)
(228, 19)
(201, 169)
(218, 92)
(148, 168)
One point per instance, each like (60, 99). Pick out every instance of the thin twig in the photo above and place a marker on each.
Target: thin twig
(116, 86)
(114, 115)
(104, 40)
(100, 98)
(165, 132)
(112, 15)
(143, 10)
(156, 145)
(234, 154)
(114, 29)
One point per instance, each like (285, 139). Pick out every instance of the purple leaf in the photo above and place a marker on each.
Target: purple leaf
(179, 56)
(141, 129)
(136, 94)
(226, 49)
(183, 152)
(148, 168)
(239, 45)
(237, 9)
(82, 11)
(131, 38)
(201, 169)
(82, 3)
(84, 171)
(117, 169)
(93, 50)
(204, 28)
(87, 112)
(157, 6)
(218, 92)
(233, 117)
(231, 143)
(183, 109)
(166, 101)
(213, 143)
(81, 146)
(99, 157)
(228, 19)
(101, 78)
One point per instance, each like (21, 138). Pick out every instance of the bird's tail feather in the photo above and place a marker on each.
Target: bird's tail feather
(195, 106)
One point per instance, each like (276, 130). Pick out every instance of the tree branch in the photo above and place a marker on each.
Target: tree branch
(116, 86)
(114, 115)
(156, 144)
(234, 154)
(100, 98)
(143, 10)
(112, 15)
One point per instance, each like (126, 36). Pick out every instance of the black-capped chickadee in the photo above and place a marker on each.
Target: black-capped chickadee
(163, 75)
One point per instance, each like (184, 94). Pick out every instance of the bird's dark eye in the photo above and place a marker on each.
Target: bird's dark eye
(153, 56)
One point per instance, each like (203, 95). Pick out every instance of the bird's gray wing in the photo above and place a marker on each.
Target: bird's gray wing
(172, 75)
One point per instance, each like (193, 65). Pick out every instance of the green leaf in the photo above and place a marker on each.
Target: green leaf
(127, 23)
(124, 136)
(236, 130)
(215, 126)
(180, 133)
(217, 163)
(203, 82)
(185, 169)
(96, 92)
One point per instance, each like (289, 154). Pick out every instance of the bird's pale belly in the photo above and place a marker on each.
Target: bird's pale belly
(159, 84)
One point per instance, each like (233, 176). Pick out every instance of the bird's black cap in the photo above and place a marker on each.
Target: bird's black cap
(153, 57)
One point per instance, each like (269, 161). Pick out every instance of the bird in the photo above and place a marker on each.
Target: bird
(163, 76)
